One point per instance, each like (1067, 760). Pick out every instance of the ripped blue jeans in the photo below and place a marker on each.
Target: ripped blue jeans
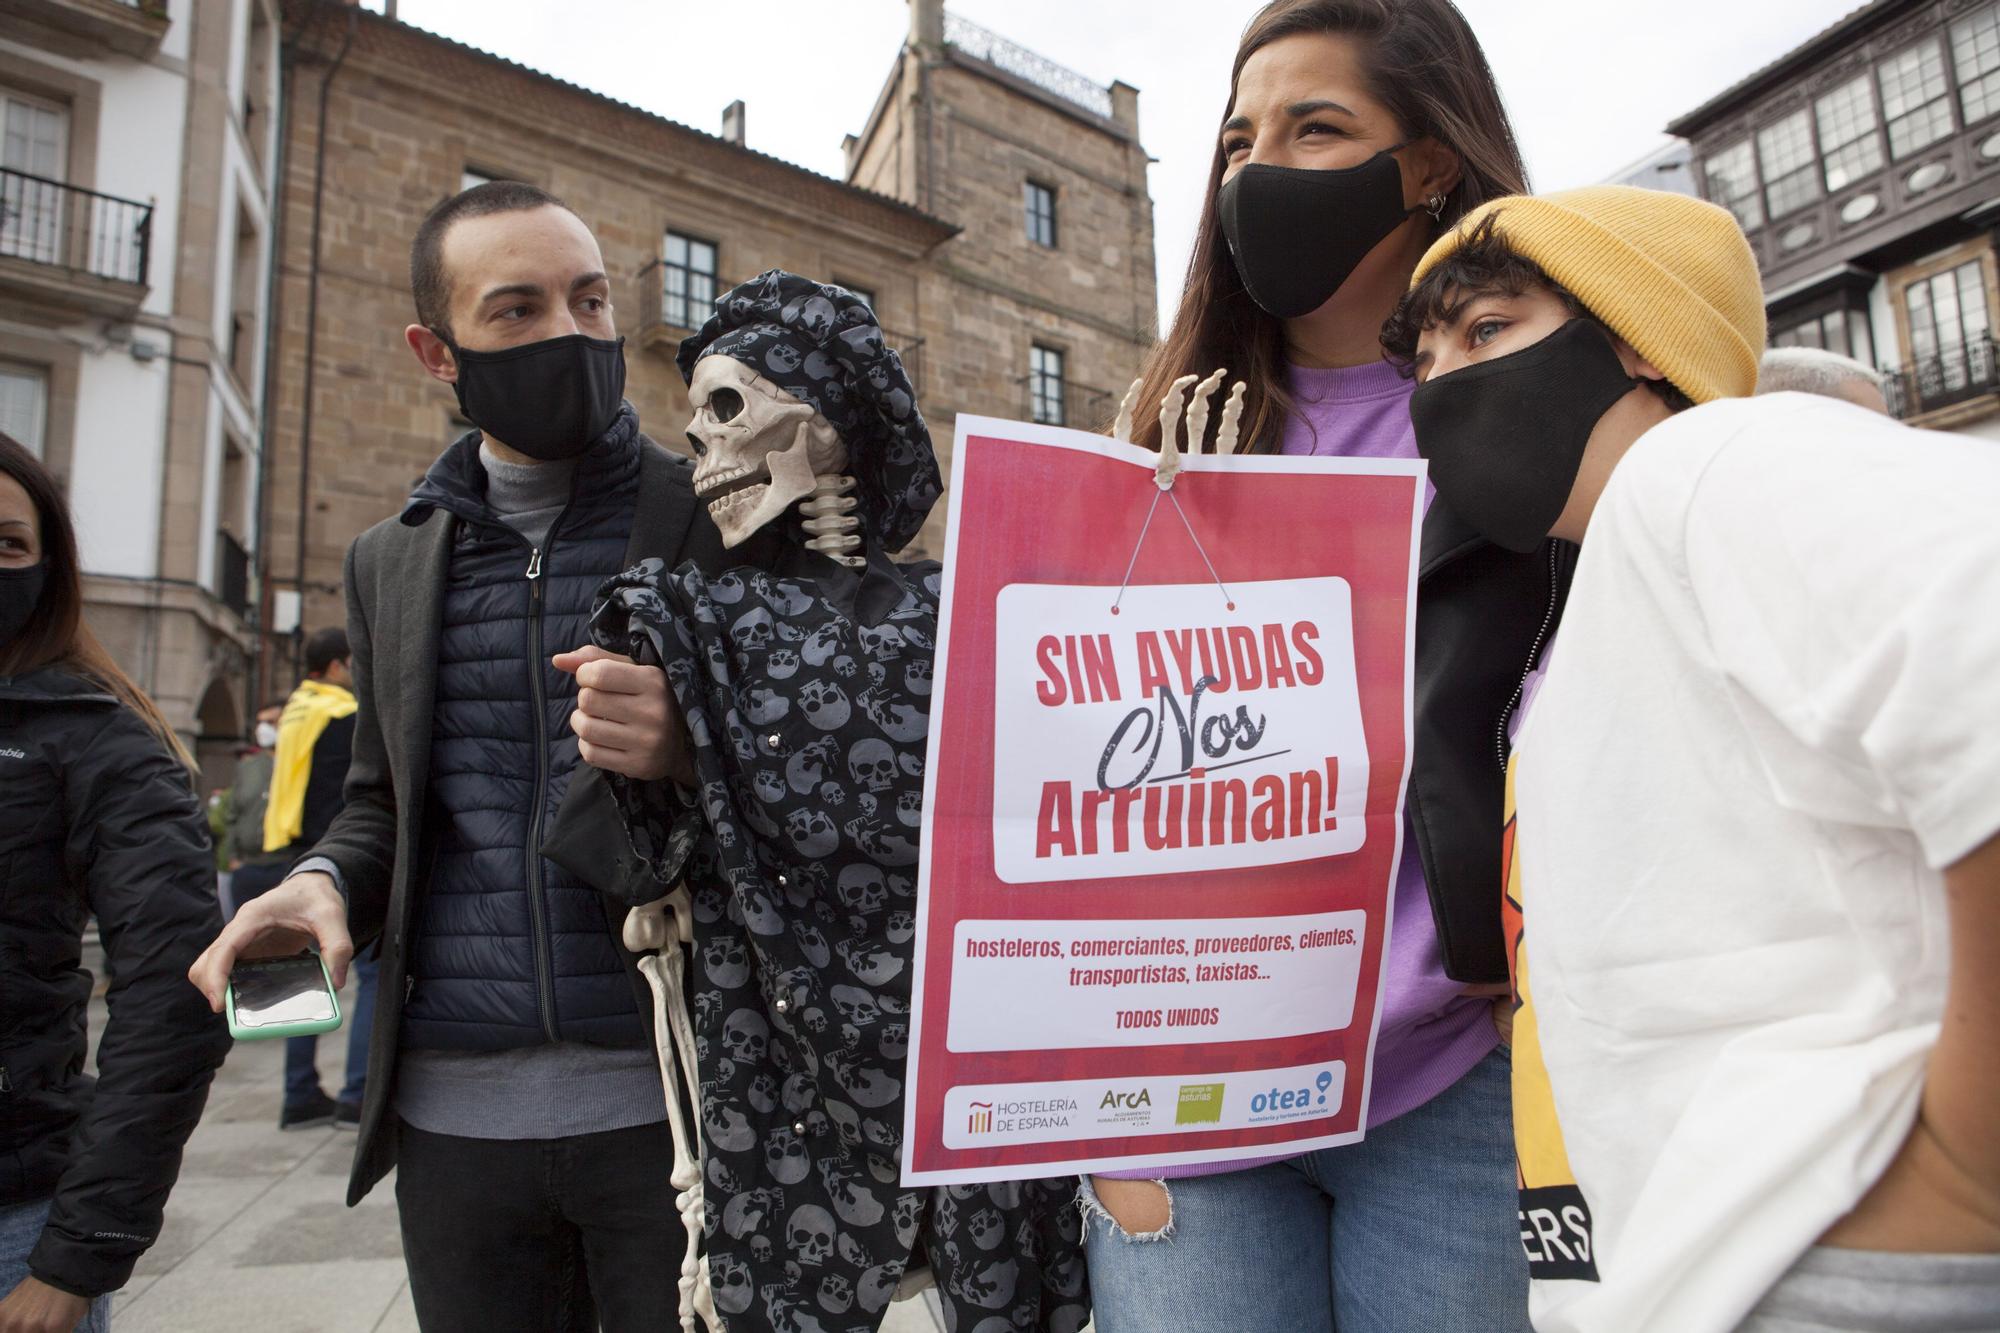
(1413, 1230)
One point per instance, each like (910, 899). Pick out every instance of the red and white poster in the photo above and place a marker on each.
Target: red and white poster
(1164, 796)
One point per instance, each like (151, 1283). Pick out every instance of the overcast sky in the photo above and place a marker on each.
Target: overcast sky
(1589, 83)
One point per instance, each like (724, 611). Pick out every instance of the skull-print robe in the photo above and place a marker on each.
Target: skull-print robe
(806, 691)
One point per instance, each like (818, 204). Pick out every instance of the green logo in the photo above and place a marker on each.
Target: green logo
(1200, 1104)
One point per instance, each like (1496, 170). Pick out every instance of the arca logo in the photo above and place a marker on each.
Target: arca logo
(1126, 1101)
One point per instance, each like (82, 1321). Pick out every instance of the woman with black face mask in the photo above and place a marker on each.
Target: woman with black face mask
(98, 817)
(1356, 131)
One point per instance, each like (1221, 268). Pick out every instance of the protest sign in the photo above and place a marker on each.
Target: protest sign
(1163, 805)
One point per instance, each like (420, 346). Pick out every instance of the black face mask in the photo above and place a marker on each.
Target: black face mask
(550, 400)
(1297, 234)
(1505, 438)
(20, 593)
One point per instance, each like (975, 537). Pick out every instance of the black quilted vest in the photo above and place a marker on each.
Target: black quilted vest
(509, 949)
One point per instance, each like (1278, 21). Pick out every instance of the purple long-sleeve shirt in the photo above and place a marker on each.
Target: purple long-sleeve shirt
(1431, 1034)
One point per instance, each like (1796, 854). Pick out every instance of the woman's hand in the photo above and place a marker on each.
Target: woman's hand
(36, 1307)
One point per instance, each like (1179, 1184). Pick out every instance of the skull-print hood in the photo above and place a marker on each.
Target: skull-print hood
(822, 344)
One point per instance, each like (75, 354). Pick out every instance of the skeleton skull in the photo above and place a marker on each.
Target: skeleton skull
(761, 449)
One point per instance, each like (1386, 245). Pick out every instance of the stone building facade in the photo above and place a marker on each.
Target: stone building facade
(1004, 301)
(135, 207)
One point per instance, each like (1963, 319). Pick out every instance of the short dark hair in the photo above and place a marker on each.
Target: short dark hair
(324, 648)
(430, 285)
(1484, 263)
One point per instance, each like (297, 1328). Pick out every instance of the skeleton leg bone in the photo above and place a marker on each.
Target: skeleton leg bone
(665, 968)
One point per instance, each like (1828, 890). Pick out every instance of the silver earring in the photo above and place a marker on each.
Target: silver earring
(1435, 207)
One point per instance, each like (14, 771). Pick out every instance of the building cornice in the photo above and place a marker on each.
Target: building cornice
(491, 85)
(1872, 15)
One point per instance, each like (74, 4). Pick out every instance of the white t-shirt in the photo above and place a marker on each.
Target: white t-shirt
(1773, 717)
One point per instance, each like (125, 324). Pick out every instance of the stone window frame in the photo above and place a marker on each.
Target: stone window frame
(61, 363)
(1899, 281)
(83, 98)
(1040, 399)
(690, 305)
(1974, 254)
(865, 292)
(1040, 216)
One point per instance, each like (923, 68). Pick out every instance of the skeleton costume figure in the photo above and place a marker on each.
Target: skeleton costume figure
(804, 676)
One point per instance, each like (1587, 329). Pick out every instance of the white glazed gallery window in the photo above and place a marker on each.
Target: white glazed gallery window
(34, 139)
(1045, 385)
(1793, 175)
(1847, 133)
(24, 404)
(1732, 182)
(687, 274)
(1914, 98)
(1975, 50)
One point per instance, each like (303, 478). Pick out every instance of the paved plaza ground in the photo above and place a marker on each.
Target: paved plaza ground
(257, 1238)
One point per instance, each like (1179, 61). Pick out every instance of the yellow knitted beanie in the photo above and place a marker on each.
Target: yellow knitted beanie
(1671, 275)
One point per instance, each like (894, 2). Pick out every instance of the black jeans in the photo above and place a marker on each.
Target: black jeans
(541, 1235)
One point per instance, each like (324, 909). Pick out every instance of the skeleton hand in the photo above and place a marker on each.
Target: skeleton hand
(1172, 407)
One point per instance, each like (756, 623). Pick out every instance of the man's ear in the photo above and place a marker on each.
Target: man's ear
(433, 353)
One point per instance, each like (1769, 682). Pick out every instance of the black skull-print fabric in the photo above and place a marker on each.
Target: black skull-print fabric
(799, 849)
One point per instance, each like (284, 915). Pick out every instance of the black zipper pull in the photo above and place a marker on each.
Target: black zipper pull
(5, 1086)
(535, 565)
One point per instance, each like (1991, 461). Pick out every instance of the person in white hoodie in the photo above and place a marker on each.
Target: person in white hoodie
(1754, 878)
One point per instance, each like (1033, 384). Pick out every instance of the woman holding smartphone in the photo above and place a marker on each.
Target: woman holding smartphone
(98, 817)
(1356, 131)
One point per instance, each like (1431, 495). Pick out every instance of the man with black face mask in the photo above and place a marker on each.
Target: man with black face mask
(512, 1081)
(1753, 890)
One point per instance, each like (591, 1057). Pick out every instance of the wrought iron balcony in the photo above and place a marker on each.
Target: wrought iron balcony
(1957, 374)
(72, 248)
(129, 27)
(1029, 67)
(232, 573)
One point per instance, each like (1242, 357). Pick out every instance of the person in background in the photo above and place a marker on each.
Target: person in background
(1755, 879)
(1829, 374)
(1356, 131)
(250, 869)
(98, 816)
(308, 775)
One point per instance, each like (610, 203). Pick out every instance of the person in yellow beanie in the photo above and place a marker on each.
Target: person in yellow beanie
(1753, 789)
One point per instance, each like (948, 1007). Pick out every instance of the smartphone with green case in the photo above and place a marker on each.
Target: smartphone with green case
(281, 997)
